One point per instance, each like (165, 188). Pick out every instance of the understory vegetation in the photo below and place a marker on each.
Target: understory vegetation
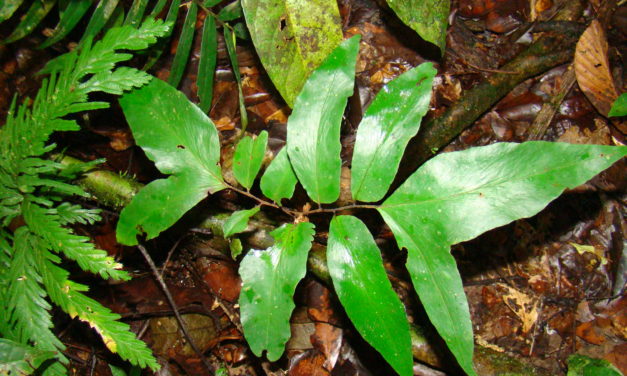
(309, 186)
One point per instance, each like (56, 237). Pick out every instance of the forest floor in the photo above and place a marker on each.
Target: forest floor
(539, 289)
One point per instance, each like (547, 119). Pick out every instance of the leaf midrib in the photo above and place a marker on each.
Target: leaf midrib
(199, 165)
(481, 187)
(347, 249)
(429, 266)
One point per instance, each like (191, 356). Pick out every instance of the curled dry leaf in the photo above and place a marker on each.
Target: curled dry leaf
(593, 69)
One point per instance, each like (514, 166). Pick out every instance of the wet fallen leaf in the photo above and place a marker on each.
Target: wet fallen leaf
(589, 333)
(221, 277)
(168, 339)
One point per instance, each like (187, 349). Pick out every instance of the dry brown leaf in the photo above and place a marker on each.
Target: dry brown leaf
(525, 307)
(593, 68)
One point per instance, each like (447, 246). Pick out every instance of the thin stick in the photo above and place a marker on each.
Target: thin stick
(170, 299)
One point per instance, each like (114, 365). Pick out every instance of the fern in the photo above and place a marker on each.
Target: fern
(35, 237)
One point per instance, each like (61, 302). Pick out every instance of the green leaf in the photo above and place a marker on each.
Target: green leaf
(118, 81)
(9, 7)
(184, 46)
(619, 107)
(457, 196)
(238, 221)
(231, 42)
(248, 157)
(269, 279)
(154, 13)
(115, 334)
(20, 359)
(390, 122)
(46, 225)
(99, 18)
(136, 13)
(313, 129)
(74, 12)
(581, 365)
(231, 12)
(117, 371)
(429, 18)
(37, 11)
(356, 267)
(157, 51)
(292, 38)
(207, 63)
(278, 181)
(183, 142)
(236, 248)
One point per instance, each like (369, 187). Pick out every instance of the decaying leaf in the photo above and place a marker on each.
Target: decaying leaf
(593, 68)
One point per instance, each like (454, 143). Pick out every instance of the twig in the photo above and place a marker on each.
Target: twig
(548, 110)
(548, 51)
(177, 314)
(298, 213)
(170, 252)
(92, 365)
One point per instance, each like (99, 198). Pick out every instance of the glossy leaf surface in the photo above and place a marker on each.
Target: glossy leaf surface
(269, 279)
(429, 18)
(361, 283)
(313, 129)
(292, 38)
(248, 157)
(74, 12)
(389, 123)
(238, 221)
(278, 181)
(457, 196)
(183, 143)
(207, 63)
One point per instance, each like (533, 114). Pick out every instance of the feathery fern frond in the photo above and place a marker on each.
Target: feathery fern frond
(46, 224)
(32, 208)
(115, 334)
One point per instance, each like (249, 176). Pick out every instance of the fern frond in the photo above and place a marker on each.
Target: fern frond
(70, 214)
(116, 335)
(47, 224)
(66, 90)
(32, 190)
(26, 299)
(121, 80)
(20, 359)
